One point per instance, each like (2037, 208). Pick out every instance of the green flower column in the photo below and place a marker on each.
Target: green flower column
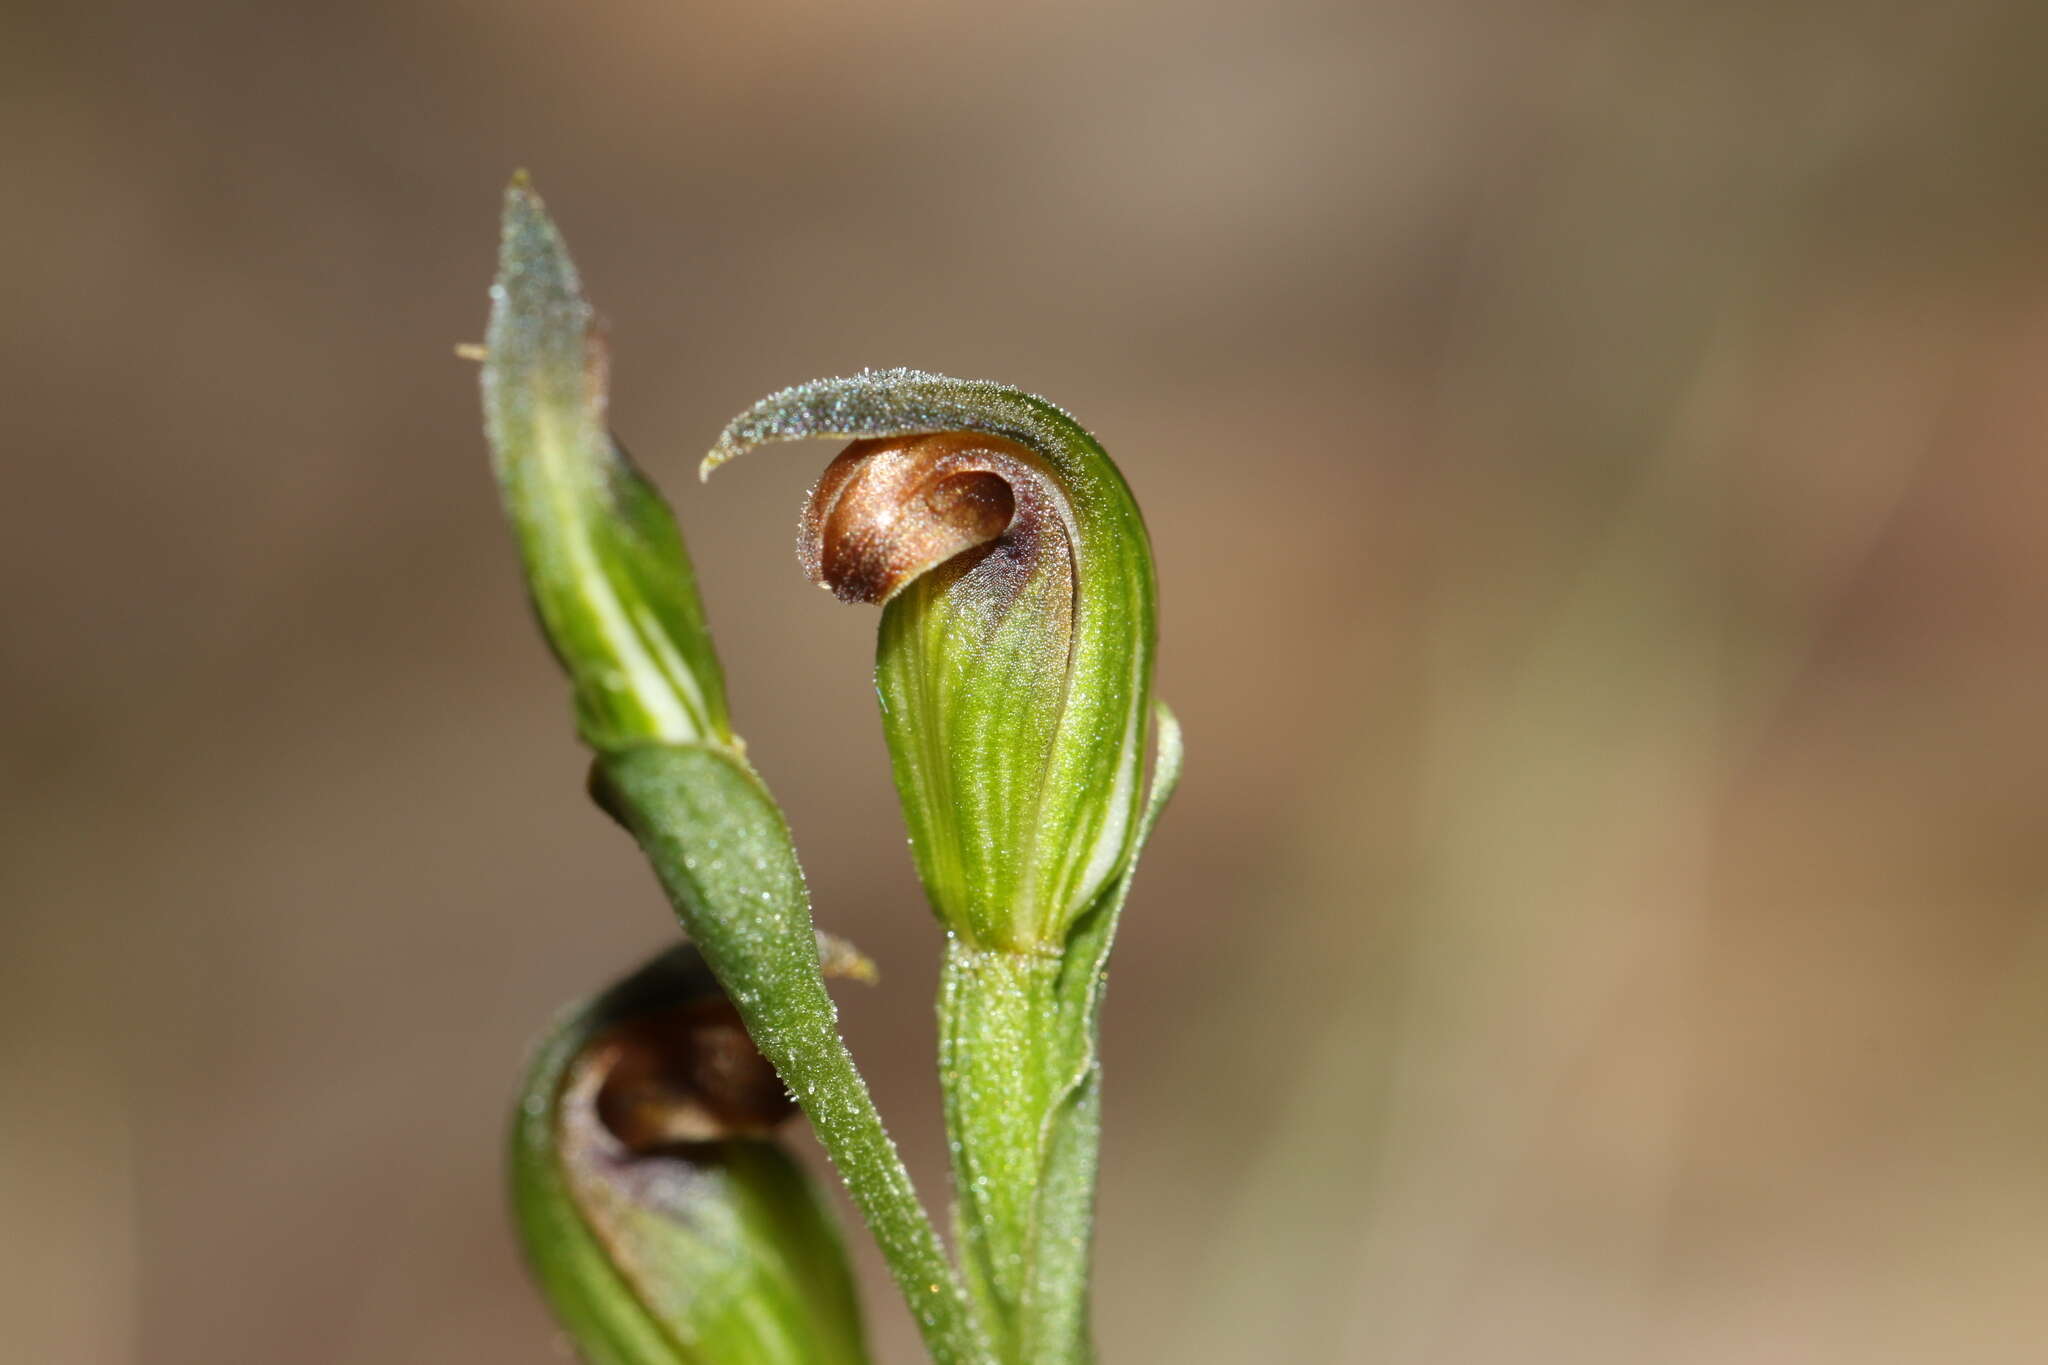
(1015, 674)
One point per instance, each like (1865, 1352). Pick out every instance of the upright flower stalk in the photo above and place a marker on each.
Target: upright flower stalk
(1014, 666)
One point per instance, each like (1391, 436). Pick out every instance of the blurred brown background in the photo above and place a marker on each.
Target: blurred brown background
(1595, 455)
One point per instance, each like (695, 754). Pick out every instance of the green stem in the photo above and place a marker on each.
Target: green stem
(720, 848)
(818, 1067)
(1002, 1058)
(1023, 1085)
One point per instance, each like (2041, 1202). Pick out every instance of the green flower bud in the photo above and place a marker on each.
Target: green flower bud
(663, 1223)
(1015, 660)
(605, 565)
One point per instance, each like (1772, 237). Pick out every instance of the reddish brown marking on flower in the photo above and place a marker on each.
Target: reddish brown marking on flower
(891, 508)
(684, 1074)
